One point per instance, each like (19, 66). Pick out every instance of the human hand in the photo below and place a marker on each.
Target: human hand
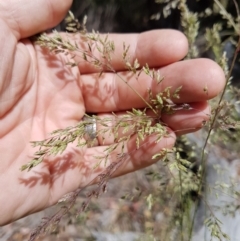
(39, 94)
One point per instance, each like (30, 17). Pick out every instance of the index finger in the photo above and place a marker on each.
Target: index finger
(155, 48)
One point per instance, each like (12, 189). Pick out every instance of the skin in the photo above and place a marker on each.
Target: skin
(39, 94)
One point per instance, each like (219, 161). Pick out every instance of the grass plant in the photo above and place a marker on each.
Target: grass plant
(183, 172)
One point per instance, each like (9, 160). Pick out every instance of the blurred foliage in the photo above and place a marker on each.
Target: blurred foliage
(136, 16)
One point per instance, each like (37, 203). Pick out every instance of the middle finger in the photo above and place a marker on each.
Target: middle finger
(201, 79)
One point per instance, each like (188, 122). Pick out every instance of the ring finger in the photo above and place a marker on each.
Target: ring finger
(118, 127)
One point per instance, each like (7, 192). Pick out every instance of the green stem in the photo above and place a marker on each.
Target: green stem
(203, 159)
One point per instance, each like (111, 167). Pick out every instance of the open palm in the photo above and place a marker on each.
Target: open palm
(39, 93)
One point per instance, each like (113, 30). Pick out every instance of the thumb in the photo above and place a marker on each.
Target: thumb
(26, 18)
